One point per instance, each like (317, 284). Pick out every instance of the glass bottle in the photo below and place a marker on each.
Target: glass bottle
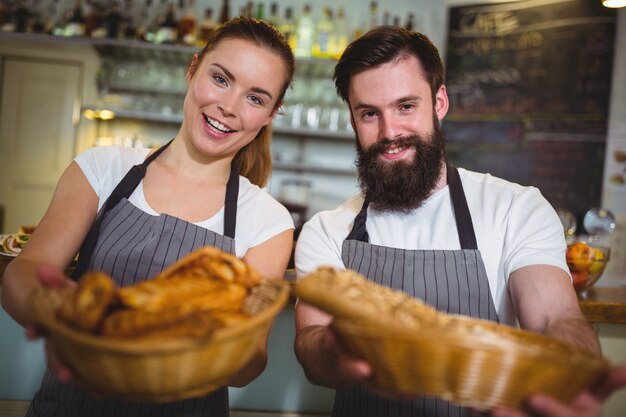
(187, 25)
(260, 11)
(225, 12)
(410, 22)
(342, 32)
(22, 16)
(76, 23)
(288, 28)
(373, 16)
(207, 26)
(305, 33)
(168, 29)
(324, 45)
(113, 21)
(130, 17)
(274, 18)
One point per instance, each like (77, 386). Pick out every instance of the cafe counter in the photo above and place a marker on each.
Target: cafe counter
(283, 386)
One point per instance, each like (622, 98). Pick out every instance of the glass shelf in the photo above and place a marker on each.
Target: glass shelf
(301, 169)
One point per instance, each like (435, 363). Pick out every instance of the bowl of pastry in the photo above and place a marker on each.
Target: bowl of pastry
(415, 349)
(182, 334)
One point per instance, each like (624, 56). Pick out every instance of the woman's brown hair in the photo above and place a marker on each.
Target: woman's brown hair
(254, 160)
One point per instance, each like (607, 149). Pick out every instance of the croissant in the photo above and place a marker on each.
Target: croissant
(200, 293)
(85, 308)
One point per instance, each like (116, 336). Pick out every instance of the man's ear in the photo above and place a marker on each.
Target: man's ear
(441, 102)
(352, 121)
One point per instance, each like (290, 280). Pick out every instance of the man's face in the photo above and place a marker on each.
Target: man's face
(401, 148)
(391, 101)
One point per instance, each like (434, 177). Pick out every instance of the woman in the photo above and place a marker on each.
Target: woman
(202, 188)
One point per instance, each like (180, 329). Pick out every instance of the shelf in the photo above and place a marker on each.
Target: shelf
(314, 133)
(303, 169)
(178, 118)
(139, 115)
(144, 89)
(114, 48)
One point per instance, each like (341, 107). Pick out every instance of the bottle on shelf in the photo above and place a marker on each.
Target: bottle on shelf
(410, 22)
(274, 18)
(22, 17)
(372, 21)
(54, 19)
(168, 29)
(260, 11)
(95, 20)
(187, 25)
(38, 23)
(75, 25)
(386, 18)
(225, 11)
(148, 23)
(248, 10)
(342, 32)
(288, 28)
(305, 33)
(207, 26)
(325, 36)
(130, 17)
(113, 21)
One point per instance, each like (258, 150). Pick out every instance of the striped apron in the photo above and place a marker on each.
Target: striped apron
(454, 281)
(131, 245)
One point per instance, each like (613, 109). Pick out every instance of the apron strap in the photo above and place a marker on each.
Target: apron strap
(123, 190)
(359, 231)
(464, 224)
(230, 205)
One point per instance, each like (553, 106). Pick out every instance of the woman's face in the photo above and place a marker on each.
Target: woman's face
(232, 94)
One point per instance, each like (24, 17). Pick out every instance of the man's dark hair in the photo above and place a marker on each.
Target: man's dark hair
(385, 44)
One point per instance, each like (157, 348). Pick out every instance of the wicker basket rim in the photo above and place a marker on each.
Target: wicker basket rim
(41, 306)
(495, 337)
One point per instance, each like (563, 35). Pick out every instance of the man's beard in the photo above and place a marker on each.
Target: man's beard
(403, 185)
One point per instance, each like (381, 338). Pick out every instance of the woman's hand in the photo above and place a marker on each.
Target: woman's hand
(586, 404)
(51, 277)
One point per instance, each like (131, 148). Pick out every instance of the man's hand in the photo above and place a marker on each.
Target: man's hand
(586, 404)
(327, 361)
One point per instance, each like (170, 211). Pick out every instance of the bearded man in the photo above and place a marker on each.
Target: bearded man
(465, 242)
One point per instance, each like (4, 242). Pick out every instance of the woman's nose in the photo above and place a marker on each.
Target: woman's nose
(227, 106)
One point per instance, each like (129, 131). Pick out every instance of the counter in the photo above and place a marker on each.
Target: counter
(283, 386)
(604, 304)
(599, 304)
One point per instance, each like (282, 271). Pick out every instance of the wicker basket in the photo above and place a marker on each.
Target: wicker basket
(158, 371)
(466, 361)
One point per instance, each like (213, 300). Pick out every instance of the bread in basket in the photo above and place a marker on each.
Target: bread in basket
(415, 349)
(180, 335)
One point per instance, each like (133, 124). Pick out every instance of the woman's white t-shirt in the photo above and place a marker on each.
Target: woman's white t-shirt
(259, 216)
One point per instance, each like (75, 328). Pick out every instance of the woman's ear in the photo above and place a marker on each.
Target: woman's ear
(193, 67)
(276, 108)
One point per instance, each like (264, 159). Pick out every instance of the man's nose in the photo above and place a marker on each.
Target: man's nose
(388, 128)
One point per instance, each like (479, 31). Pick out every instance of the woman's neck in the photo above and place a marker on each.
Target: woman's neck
(183, 158)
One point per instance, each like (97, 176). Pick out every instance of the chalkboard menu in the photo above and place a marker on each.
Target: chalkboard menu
(529, 85)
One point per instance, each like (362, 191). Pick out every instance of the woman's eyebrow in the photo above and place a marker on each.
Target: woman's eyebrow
(230, 75)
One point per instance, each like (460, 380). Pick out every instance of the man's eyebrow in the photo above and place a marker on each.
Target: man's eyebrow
(396, 102)
(230, 75)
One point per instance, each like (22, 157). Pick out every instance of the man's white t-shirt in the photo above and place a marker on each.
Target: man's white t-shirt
(259, 216)
(515, 226)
